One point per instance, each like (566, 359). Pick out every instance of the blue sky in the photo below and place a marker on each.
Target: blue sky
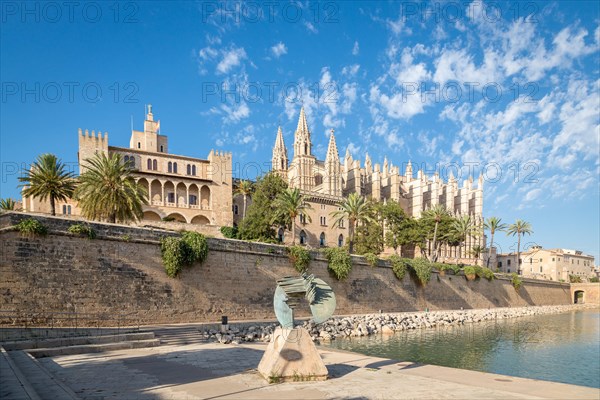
(510, 89)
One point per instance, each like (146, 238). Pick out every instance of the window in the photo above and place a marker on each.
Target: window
(323, 221)
(322, 239)
(154, 165)
(302, 237)
(341, 223)
(193, 200)
(340, 240)
(129, 161)
(194, 170)
(541, 268)
(302, 219)
(170, 167)
(280, 235)
(508, 262)
(174, 167)
(499, 264)
(235, 209)
(161, 149)
(189, 169)
(508, 270)
(171, 197)
(66, 209)
(139, 145)
(531, 261)
(552, 258)
(149, 164)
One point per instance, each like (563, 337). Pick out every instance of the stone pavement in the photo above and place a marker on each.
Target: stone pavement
(216, 371)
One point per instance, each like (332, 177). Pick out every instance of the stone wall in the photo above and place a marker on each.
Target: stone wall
(591, 292)
(64, 273)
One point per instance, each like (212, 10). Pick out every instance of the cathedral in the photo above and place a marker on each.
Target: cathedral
(326, 183)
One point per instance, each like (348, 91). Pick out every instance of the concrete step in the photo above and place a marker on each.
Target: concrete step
(92, 348)
(76, 341)
(14, 384)
(179, 336)
(44, 385)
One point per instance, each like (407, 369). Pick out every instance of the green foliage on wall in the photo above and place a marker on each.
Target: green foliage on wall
(300, 258)
(516, 280)
(31, 227)
(421, 268)
(399, 266)
(372, 259)
(229, 232)
(178, 252)
(82, 230)
(339, 262)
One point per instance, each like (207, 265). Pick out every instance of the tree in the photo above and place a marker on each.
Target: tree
(289, 204)
(48, 178)
(396, 222)
(493, 225)
(258, 222)
(8, 204)
(369, 236)
(435, 215)
(476, 251)
(107, 190)
(245, 189)
(354, 208)
(519, 228)
(464, 226)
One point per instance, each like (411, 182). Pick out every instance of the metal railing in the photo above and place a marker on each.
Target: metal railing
(18, 325)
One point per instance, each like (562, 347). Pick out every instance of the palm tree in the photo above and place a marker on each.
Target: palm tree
(107, 190)
(244, 188)
(493, 224)
(289, 204)
(48, 178)
(436, 214)
(476, 251)
(519, 228)
(356, 209)
(464, 226)
(8, 204)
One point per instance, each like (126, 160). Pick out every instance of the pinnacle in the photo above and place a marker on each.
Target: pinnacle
(302, 125)
(332, 151)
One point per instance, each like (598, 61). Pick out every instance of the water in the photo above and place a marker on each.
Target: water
(560, 347)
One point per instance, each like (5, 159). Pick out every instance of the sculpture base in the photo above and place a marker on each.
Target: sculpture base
(291, 356)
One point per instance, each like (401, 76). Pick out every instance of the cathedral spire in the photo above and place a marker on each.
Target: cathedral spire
(302, 142)
(302, 128)
(279, 143)
(332, 151)
(279, 161)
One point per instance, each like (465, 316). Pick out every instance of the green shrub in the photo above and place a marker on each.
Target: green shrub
(594, 279)
(574, 279)
(470, 270)
(516, 280)
(174, 255)
(31, 227)
(372, 259)
(398, 266)
(339, 262)
(421, 267)
(486, 273)
(300, 258)
(168, 219)
(82, 230)
(447, 267)
(178, 252)
(126, 238)
(229, 232)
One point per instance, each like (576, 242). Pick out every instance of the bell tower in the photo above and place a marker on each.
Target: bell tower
(302, 176)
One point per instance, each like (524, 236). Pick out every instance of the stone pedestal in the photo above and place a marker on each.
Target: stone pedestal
(293, 357)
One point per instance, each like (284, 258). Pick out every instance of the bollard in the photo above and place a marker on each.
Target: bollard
(224, 324)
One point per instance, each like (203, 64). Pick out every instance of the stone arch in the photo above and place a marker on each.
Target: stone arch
(155, 195)
(177, 217)
(205, 197)
(322, 241)
(181, 194)
(340, 240)
(318, 179)
(302, 237)
(143, 182)
(194, 196)
(200, 220)
(579, 297)
(170, 193)
(151, 216)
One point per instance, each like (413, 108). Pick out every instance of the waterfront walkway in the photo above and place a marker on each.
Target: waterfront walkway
(217, 371)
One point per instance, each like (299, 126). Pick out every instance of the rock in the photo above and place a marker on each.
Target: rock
(386, 330)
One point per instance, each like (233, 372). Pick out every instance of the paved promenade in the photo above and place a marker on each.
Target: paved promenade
(216, 371)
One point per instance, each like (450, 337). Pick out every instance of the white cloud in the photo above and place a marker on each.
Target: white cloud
(532, 194)
(310, 27)
(235, 114)
(231, 58)
(355, 49)
(350, 70)
(279, 49)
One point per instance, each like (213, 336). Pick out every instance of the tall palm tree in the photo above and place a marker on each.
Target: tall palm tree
(464, 226)
(8, 204)
(356, 209)
(519, 228)
(244, 188)
(48, 178)
(436, 214)
(288, 205)
(493, 224)
(107, 190)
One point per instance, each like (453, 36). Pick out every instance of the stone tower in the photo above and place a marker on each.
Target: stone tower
(279, 161)
(302, 176)
(332, 183)
(89, 145)
(149, 139)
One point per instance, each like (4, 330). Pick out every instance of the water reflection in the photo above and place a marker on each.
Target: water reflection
(562, 347)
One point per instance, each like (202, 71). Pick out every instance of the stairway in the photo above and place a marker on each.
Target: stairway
(178, 336)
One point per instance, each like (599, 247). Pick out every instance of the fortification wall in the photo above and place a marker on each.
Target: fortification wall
(65, 273)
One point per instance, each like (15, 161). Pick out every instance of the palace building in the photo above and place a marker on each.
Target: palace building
(326, 183)
(180, 188)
